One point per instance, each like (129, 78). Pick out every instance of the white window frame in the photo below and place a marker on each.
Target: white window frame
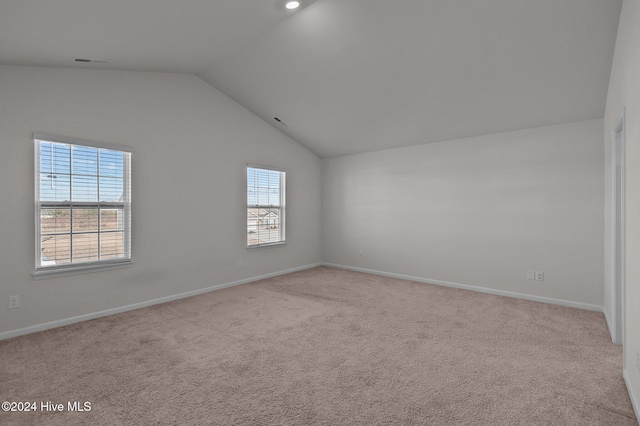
(283, 197)
(49, 271)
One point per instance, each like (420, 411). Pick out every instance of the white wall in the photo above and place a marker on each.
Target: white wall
(624, 91)
(191, 145)
(478, 211)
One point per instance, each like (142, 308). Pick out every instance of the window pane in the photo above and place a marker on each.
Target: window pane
(252, 197)
(85, 247)
(265, 188)
(263, 178)
(54, 187)
(252, 239)
(111, 219)
(85, 161)
(61, 158)
(55, 249)
(272, 224)
(46, 157)
(55, 158)
(274, 179)
(111, 163)
(263, 196)
(274, 197)
(111, 189)
(54, 221)
(263, 225)
(90, 178)
(111, 244)
(85, 188)
(252, 221)
(85, 220)
(252, 177)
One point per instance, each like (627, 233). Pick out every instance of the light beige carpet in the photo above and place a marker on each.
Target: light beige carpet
(325, 347)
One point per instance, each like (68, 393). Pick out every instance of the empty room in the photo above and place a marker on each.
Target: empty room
(320, 212)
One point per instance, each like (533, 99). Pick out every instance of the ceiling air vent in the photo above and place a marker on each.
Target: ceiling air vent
(280, 121)
(93, 61)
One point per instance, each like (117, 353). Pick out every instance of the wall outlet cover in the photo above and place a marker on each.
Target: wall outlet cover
(14, 301)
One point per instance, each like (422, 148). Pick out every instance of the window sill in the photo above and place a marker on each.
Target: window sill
(279, 244)
(43, 274)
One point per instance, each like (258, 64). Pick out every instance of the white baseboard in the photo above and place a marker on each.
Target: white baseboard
(72, 320)
(634, 401)
(515, 295)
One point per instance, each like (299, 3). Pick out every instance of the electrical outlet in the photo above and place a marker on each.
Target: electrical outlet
(360, 253)
(531, 275)
(14, 301)
(539, 276)
(239, 262)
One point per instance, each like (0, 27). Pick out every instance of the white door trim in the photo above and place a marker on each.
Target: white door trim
(618, 229)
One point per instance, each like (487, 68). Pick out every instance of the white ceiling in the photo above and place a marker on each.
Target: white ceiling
(348, 76)
(142, 35)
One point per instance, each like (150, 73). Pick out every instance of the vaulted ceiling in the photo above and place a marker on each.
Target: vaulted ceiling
(347, 76)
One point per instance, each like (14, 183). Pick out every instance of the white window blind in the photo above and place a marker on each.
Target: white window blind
(266, 204)
(83, 204)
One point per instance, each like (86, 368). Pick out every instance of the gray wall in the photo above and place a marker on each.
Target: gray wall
(624, 91)
(191, 145)
(478, 211)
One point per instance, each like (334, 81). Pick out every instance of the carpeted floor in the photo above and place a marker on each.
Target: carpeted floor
(325, 347)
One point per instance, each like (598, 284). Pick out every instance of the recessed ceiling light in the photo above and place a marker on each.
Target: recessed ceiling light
(292, 4)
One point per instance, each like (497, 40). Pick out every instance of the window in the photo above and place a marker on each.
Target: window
(265, 207)
(83, 204)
